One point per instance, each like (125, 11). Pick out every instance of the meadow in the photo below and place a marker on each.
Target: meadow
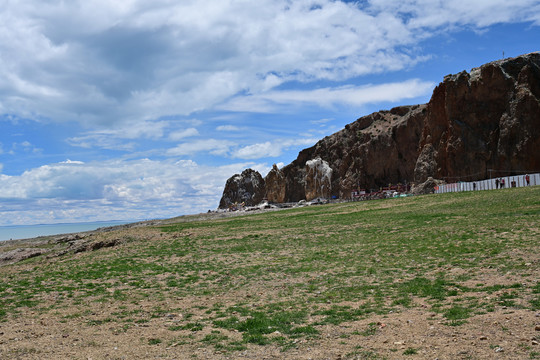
(449, 276)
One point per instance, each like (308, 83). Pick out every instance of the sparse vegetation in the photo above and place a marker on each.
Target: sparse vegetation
(294, 279)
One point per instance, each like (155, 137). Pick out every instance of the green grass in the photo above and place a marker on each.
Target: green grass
(154, 341)
(289, 274)
(410, 351)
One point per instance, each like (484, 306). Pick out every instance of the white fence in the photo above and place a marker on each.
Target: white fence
(490, 184)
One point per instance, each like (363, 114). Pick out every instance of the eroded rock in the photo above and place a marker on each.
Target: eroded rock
(247, 188)
(20, 254)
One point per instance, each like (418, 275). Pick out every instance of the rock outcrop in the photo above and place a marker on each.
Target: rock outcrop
(247, 188)
(486, 119)
(485, 122)
(20, 254)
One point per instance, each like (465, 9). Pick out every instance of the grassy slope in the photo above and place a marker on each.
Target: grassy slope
(276, 278)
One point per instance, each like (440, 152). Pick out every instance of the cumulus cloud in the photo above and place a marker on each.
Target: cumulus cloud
(76, 191)
(131, 72)
(102, 63)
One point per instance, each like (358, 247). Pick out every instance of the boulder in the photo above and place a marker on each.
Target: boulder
(247, 188)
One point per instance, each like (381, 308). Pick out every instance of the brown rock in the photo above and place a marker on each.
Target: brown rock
(276, 185)
(247, 188)
(485, 119)
(475, 122)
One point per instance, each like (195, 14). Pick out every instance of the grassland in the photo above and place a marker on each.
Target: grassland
(451, 276)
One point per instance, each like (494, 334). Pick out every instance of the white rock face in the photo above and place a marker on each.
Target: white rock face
(318, 182)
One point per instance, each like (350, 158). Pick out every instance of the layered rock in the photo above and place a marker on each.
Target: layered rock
(475, 124)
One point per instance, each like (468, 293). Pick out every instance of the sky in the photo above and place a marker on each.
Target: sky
(134, 110)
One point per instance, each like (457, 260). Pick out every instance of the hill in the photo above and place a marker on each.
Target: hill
(450, 276)
(477, 121)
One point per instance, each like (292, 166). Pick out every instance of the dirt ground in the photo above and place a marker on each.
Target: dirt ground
(502, 334)
(410, 333)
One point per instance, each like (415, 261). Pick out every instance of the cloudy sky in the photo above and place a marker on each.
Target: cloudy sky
(128, 110)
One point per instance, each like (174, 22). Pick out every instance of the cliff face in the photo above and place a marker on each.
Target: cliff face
(486, 119)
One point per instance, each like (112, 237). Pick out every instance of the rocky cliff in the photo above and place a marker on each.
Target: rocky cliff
(487, 119)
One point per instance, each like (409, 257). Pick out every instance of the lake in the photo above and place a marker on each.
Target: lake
(31, 231)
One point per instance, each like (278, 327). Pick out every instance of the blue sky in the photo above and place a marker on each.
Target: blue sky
(132, 110)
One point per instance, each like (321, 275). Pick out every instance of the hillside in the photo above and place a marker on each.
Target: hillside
(451, 276)
(475, 121)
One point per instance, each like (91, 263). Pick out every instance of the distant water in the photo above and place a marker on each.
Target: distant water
(31, 231)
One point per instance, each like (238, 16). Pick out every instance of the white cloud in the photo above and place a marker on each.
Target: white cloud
(100, 140)
(181, 134)
(24, 147)
(270, 149)
(101, 63)
(326, 97)
(213, 146)
(480, 13)
(115, 138)
(75, 162)
(255, 151)
(138, 189)
(228, 128)
(321, 122)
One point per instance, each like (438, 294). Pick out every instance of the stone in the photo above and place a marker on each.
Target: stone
(275, 185)
(16, 255)
(483, 120)
(246, 188)
(487, 119)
